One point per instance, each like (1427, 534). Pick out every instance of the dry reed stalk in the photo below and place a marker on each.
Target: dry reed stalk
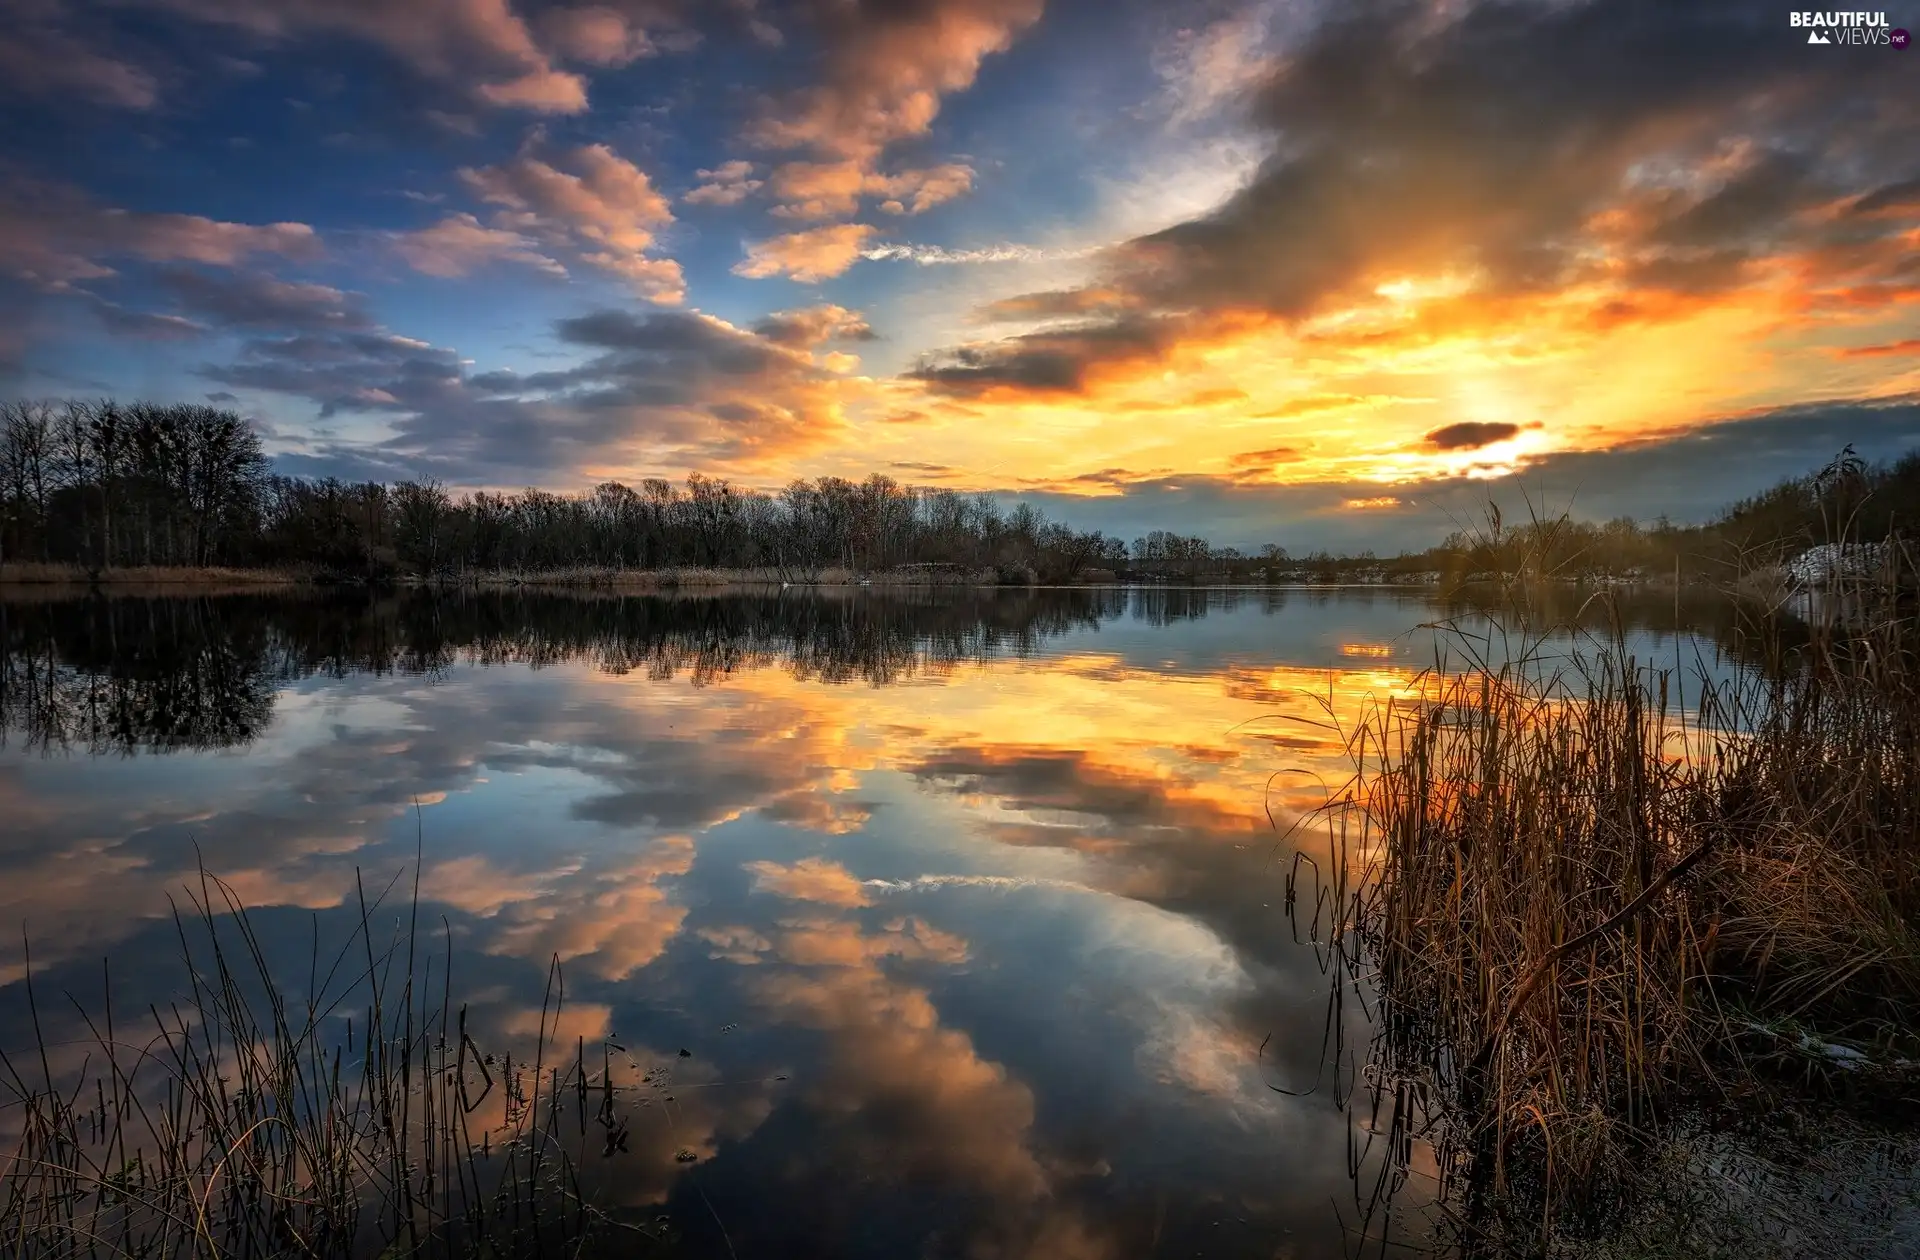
(236, 1123)
(1578, 899)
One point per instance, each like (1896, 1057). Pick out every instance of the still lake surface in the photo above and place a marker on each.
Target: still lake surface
(966, 906)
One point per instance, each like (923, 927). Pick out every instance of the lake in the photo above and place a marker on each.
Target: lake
(965, 907)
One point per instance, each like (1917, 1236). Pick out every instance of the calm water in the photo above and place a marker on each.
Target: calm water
(966, 907)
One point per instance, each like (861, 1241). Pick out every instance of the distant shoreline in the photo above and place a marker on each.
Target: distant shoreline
(27, 578)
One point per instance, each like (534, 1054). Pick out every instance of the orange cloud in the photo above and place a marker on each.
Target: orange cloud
(701, 389)
(809, 257)
(614, 920)
(960, 1120)
(1058, 304)
(886, 70)
(1316, 403)
(1490, 252)
(820, 190)
(595, 35)
(814, 325)
(1909, 346)
(460, 243)
(727, 184)
(1266, 458)
(604, 206)
(810, 879)
(823, 942)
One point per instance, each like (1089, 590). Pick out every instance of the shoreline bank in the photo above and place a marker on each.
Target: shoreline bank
(20, 577)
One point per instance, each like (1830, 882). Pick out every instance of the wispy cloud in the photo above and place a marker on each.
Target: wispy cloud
(941, 256)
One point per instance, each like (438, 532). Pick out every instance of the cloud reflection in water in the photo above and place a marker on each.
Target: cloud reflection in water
(1010, 936)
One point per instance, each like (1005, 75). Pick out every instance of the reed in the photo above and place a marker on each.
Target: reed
(362, 1119)
(1597, 897)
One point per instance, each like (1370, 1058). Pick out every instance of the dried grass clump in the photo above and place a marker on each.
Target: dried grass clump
(241, 1122)
(1592, 894)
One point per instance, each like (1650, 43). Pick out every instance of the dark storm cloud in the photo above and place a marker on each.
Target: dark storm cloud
(144, 325)
(1051, 780)
(256, 300)
(1051, 361)
(1752, 203)
(440, 426)
(1904, 193)
(664, 379)
(697, 342)
(1691, 475)
(1493, 139)
(373, 370)
(686, 371)
(1469, 436)
(814, 326)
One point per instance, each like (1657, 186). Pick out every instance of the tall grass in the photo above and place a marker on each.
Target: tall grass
(1596, 897)
(360, 1119)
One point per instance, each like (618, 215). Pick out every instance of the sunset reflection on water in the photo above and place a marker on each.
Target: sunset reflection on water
(967, 911)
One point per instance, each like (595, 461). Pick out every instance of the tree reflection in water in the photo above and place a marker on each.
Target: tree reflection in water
(163, 674)
(169, 674)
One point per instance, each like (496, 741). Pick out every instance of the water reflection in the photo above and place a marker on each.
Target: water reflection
(163, 674)
(965, 905)
(113, 676)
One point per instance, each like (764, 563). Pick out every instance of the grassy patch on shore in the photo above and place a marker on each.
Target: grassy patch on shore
(16, 573)
(199, 579)
(605, 578)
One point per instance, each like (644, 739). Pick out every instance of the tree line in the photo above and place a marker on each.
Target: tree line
(103, 485)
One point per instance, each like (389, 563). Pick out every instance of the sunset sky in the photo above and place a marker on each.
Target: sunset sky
(1323, 273)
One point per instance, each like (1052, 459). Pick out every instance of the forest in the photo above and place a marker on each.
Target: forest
(100, 485)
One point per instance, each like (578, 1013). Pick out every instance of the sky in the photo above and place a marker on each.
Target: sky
(1326, 273)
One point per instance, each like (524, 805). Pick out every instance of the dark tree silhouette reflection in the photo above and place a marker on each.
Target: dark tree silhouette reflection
(106, 676)
(161, 675)
(119, 675)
